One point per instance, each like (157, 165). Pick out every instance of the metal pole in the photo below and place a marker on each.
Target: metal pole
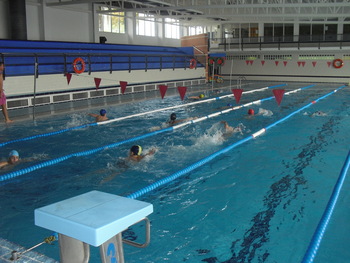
(231, 73)
(35, 77)
(212, 78)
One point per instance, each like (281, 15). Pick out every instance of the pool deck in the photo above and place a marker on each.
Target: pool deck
(7, 247)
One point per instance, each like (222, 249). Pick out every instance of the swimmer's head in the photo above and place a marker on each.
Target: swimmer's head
(201, 96)
(250, 112)
(173, 116)
(13, 157)
(229, 105)
(103, 112)
(136, 150)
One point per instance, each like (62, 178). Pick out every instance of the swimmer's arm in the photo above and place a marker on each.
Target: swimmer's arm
(3, 164)
(93, 115)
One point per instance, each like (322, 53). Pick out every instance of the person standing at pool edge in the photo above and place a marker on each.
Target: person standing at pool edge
(2, 94)
(101, 117)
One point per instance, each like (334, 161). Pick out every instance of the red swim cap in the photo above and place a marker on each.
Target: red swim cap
(251, 112)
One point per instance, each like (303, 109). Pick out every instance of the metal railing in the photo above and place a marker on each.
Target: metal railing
(296, 41)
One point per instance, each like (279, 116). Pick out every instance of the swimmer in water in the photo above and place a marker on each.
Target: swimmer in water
(135, 153)
(12, 159)
(230, 130)
(100, 117)
(228, 106)
(318, 114)
(174, 121)
(201, 96)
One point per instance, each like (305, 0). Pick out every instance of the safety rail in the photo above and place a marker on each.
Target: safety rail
(23, 64)
(127, 117)
(17, 173)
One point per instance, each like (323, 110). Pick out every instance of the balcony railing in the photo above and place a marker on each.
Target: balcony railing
(286, 42)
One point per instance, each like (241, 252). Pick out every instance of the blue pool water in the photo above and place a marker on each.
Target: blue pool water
(259, 202)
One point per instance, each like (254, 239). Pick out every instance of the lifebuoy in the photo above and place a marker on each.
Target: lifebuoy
(338, 63)
(211, 61)
(76, 62)
(193, 63)
(220, 61)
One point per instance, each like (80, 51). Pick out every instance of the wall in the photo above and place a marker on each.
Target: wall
(4, 28)
(313, 66)
(24, 85)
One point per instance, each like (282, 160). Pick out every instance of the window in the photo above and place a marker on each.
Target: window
(172, 28)
(196, 30)
(111, 22)
(145, 25)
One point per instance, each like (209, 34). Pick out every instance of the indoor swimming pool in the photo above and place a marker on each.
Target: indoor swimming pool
(258, 201)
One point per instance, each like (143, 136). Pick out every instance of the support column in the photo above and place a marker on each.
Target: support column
(18, 19)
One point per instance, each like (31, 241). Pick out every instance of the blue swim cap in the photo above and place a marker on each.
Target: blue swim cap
(229, 105)
(103, 112)
(13, 153)
(136, 150)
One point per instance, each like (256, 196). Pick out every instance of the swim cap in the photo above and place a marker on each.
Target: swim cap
(103, 112)
(136, 150)
(251, 112)
(173, 116)
(201, 96)
(229, 105)
(13, 153)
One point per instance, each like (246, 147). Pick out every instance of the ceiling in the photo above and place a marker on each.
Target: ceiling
(210, 12)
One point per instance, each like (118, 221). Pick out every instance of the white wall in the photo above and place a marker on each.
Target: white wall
(15, 86)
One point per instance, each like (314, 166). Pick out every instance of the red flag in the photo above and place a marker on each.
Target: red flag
(329, 63)
(314, 63)
(68, 76)
(182, 91)
(97, 82)
(285, 63)
(278, 95)
(262, 62)
(123, 86)
(237, 93)
(276, 62)
(163, 89)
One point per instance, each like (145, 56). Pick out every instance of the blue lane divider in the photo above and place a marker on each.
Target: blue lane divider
(205, 160)
(48, 134)
(327, 214)
(89, 152)
(125, 117)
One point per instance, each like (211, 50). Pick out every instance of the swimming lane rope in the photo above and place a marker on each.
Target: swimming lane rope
(127, 117)
(207, 159)
(327, 214)
(89, 152)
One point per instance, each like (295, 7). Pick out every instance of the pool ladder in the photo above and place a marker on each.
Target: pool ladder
(239, 81)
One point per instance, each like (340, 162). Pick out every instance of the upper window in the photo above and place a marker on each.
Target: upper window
(111, 22)
(145, 25)
(196, 30)
(172, 28)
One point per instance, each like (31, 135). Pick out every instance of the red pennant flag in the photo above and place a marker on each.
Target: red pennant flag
(163, 89)
(278, 95)
(247, 62)
(237, 93)
(303, 63)
(314, 63)
(123, 86)
(276, 62)
(68, 76)
(299, 63)
(97, 82)
(182, 91)
(285, 63)
(263, 62)
(251, 62)
(329, 63)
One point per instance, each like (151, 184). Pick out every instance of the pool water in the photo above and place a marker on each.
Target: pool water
(259, 202)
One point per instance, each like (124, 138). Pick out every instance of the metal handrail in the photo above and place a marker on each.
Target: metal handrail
(148, 235)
